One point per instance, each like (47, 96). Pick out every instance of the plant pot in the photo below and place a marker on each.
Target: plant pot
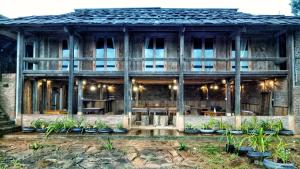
(286, 132)
(63, 130)
(270, 164)
(90, 130)
(207, 131)
(255, 155)
(28, 129)
(220, 132)
(120, 130)
(229, 148)
(252, 131)
(270, 132)
(191, 131)
(76, 130)
(236, 132)
(244, 150)
(40, 130)
(105, 130)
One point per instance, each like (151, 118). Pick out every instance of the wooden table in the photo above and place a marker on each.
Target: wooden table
(212, 113)
(93, 110)
(107, 103)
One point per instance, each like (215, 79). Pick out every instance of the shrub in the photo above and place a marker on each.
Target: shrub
(108, 145)
(100, 125)
(182, 146)
(281, 153)
(39, 124)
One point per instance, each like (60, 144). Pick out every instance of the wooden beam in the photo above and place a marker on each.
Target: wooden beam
(8, 34)
(237, 83)
(19, 71)
(181, 73)
(80, 97)
(127, 87)
(34, 97)
(291, 59)
(228, 96)
(71, 75)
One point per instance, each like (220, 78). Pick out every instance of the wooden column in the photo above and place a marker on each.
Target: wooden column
(71, 75)
(291, 59)
(181, 70)
(127, 87)
(79, 99)
(228, 96)
(237, 83)
(34, 97)
(61, 100)
(35, 52)
(19, 78)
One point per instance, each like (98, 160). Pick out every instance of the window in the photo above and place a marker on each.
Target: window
(197, 54)
(105, 50)
(155, 52)
(66, 54)
(209, 53)
(244, 54)
(29, 54)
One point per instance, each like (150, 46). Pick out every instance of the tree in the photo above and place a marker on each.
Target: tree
(295, 4)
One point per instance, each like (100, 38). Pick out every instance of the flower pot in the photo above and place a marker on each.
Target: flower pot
(191, 131)
(76, 130)
(90, 130)
(120, 130)
(255, 155)
(207, 131)
(270, 132)
(236, 132)
(105, 130)
(40, 130)
(229, 148)
(286, 132)
(270, 164)
(63, 130)
(252, 131)
(220, 132)
(28, 129)
(244, 150)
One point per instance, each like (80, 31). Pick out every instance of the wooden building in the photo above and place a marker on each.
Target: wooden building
(157, 67)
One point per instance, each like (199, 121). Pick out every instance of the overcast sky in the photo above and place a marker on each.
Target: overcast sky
(17, 8)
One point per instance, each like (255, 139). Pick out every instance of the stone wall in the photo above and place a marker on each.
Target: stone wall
(7, 94)
(111, 120)
(296, 92)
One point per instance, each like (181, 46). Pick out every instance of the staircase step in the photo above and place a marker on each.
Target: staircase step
(9, 129)
(6, 122)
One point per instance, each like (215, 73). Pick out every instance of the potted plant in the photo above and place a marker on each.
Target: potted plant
(29, 129)
(260, 143)
(78, 125)
(241, 147)
(208, 128)
(188, 129)
(268, 127)
(222, 127)
(229, 148)
(54, 126)
(250, 127)
(280, 158)
(89, 128)
(102, 127)
(120, 129)
(40, 125)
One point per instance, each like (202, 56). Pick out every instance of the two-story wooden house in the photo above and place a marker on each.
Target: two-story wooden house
(157, 67)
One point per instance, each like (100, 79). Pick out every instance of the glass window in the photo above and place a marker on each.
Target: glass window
(65, 50)
(105, 48)
(233, 54)
(100, 54)
(197, 54)
(111, 54)
(244, 54)
(76, 55)
(149, 54)
(209, 53)
(160, 54)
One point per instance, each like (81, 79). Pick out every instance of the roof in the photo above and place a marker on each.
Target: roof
(155, 16)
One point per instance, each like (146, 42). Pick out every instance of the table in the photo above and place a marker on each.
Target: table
(93, 110)
(212, 113)
(107, 103)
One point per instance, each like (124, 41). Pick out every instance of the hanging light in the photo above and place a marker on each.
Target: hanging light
(104, 86)
(84, 82)
(92, 88)
(175, 87)
(174, 81)
(216, 87)
(99, 86)
(135, 88)
(170, 86)
(223, 81)
(133, 81)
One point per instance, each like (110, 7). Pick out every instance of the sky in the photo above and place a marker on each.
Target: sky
(18, 8)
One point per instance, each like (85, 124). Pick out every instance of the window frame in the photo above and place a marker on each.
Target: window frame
(76, 45)
(154, 53)
(249, 63)
(105, 61)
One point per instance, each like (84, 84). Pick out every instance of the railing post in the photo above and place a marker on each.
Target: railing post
(19, 78)
(71, 75)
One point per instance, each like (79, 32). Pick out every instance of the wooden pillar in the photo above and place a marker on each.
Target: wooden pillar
(35, 52)
(79, 99)
(19, 78)
(34, 97)
(228, 96)
(237, 83)
(291, 59)
(71, 75)
(61, 100)
(181, 70)
(127, 87)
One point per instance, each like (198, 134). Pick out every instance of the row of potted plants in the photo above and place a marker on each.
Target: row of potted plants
(67, 125)
(271, 149)
(252, 126)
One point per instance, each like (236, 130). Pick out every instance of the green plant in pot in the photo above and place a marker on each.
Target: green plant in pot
(55, 126)
(189, 129)
(260, 143)
(222, 127)
(229, 148)
(120, 129)
(78, 125)
(280, 157)
(208, 128)
(250, 126)
(102, 127)
(40, 125)
(89, 128)
(241, 145)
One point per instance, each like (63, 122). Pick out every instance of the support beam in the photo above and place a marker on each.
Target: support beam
(80, 96)
(71, 75)
(228, 96)
(237, 83)
(127, 87)
(35, 97)
(181, 73)
(291, 59)
(19, 79)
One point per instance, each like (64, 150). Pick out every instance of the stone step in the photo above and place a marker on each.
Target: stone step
(6, 122)
(9, 129)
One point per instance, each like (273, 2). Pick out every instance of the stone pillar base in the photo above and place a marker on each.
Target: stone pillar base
(79, 113)
(238, 122)
(291, 123)
(180, 122)
(18, 120)
(127, 121)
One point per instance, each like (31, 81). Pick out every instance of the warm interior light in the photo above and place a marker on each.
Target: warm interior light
(110, 88)
(174, 81)
(93, 88)
(104, 86)
(99, 86)
(40, 83)
(135, 88)
(48, 82)
(84, 82)
(223, 81)
(170, 86)
(216, 87)
(133, 81)
(175, 87)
